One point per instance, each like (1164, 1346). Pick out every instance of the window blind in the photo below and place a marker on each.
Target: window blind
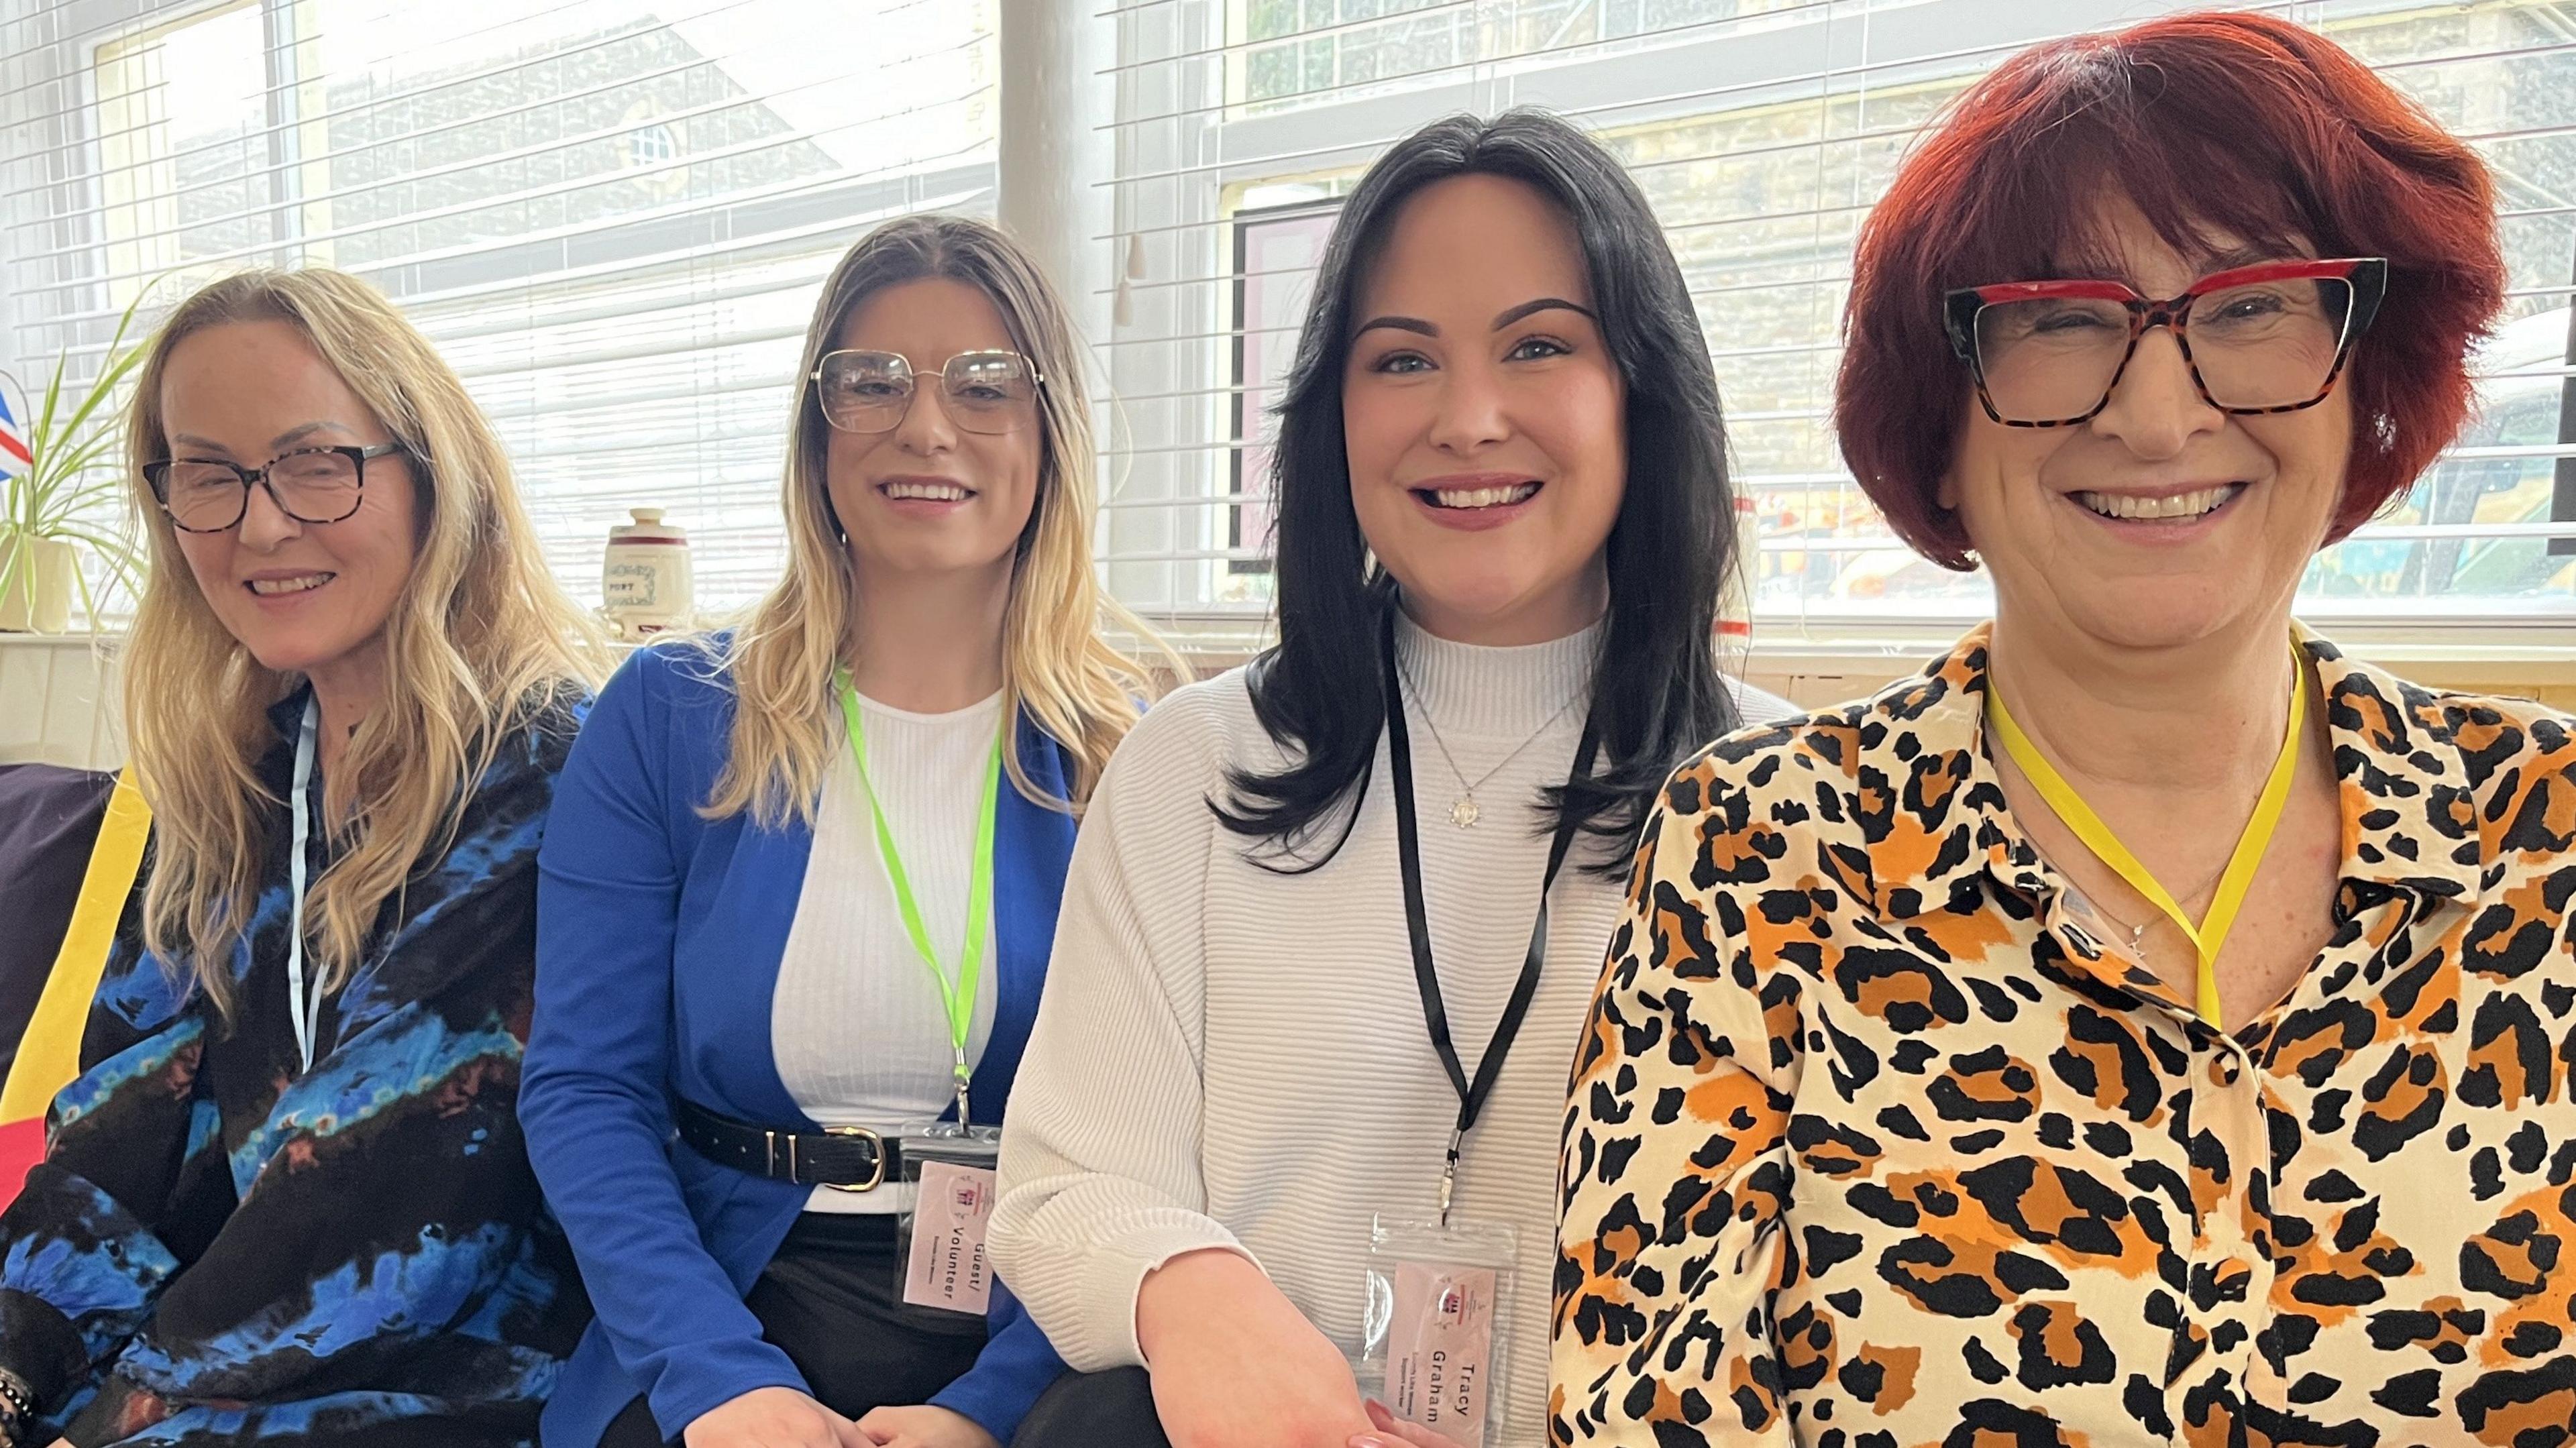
(1762, 130)
(611, 216)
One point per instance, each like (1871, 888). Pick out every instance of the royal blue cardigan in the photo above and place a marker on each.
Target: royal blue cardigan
(659, 934)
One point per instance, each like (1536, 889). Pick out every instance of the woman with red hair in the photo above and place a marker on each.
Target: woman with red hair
(2146, 1024)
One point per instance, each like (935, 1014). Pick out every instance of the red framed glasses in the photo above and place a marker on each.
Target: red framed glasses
(2271, 337)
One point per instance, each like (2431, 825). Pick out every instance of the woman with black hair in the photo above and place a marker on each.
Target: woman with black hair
(1319, 974)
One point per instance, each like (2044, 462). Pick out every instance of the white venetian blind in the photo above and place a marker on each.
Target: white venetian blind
(1762, 130)
(611, 215)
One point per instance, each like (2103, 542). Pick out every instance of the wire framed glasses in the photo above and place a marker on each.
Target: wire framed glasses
(982, 392)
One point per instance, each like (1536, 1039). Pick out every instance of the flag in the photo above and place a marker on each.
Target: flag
(15, 454)
(49, 1053)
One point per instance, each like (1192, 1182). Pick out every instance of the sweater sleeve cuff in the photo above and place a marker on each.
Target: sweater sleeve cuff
(1116, 1274)
(41, 1346)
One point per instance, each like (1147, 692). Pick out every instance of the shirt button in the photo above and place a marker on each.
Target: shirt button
(2223, 1070)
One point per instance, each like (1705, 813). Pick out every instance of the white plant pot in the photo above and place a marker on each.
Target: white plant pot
(36, 583)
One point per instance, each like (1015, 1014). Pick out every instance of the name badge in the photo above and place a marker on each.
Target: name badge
(1439, 1351)
(947, 1268)
(1437, 1329)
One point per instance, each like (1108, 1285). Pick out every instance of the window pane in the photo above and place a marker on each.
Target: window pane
(184, 151)
(1762, 131)
(613, 216)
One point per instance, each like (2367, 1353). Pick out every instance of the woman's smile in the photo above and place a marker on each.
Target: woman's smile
(925, 497)
(1476, 501)
(2168, 517)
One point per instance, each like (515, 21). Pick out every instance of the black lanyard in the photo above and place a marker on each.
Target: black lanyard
(1408, 843)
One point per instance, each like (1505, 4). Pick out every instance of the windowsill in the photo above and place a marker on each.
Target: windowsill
(2436, 656)
(35, 642)
(1804, 671)
(2517, 656)
(2537, 653)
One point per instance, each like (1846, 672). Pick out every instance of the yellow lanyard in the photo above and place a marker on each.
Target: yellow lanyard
(2211, 932)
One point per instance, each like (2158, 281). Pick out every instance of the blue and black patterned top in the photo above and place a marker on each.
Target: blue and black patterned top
(218, 1249)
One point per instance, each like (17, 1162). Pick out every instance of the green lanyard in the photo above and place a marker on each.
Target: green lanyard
(957, 997)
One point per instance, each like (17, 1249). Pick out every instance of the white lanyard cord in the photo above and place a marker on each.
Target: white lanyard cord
(308, 1014)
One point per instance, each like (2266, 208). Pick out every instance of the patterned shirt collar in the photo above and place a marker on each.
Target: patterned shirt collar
(2404, 776)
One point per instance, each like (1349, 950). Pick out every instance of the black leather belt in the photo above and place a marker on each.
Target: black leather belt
(844, 1158)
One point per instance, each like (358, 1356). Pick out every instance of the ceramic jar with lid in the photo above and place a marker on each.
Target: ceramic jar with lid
(644, 579)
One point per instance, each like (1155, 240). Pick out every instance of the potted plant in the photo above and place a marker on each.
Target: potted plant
(66, 493)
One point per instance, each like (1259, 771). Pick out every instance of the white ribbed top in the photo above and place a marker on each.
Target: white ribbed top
(857, 1026)
(1227, 1056)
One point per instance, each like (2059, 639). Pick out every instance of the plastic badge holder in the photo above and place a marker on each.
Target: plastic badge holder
(944, 1269)
(1438, 1324)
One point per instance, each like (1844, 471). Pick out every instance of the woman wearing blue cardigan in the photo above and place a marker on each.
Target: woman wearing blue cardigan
(799, 889)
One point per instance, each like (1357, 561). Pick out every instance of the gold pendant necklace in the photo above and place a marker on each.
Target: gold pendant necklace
(1464, 811)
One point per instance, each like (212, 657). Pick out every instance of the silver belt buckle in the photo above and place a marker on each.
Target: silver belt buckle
(874, 1181)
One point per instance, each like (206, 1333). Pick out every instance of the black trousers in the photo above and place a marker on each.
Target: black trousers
(828, 1301)
(1114, 1409)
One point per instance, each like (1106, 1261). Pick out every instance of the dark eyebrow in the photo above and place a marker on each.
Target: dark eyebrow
(294, 435)
(1543, 304)
(2203, 263)
(2211, 263)
(286, 439)
(1401, 324)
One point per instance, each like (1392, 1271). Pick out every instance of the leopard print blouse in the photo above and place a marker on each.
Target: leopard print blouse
(1871, 1145)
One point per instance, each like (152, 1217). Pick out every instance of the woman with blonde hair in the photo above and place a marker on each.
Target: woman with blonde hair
(800, 894)
(288, 1201)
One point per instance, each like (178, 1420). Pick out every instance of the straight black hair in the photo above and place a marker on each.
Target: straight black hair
(1656, 691)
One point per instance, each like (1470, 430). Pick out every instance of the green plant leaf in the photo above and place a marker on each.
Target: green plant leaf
(28, 489)
(107, 545)
(78, 462)
(73, 485)
(123, 570)
(102, 389)
(15, 564)
(88, 600)
(53, 394)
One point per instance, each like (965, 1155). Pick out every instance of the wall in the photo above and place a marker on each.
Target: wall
(57, 701)
(58, 694)
(8, 333)
(1815, 676)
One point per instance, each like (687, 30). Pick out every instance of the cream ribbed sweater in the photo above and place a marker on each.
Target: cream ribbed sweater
(1227, 1056)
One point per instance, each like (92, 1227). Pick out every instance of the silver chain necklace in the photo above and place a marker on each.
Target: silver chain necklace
(2138, 932)
(1463, 811)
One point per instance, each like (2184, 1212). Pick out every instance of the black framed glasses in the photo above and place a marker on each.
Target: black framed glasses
(308, 484)
(983, 392)
(2271, 337)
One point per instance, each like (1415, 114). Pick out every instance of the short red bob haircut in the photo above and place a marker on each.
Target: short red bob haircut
(2233, 123)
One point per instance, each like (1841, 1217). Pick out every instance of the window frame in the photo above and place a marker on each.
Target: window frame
(662, 263)
(1226, 140)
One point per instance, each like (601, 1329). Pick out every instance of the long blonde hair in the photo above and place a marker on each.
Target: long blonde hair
(479, 641)
(1055, 664)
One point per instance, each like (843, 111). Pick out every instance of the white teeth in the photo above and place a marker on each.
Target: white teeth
(935, 492)
(1483, 497)
(2179, 506)
(269, 586)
